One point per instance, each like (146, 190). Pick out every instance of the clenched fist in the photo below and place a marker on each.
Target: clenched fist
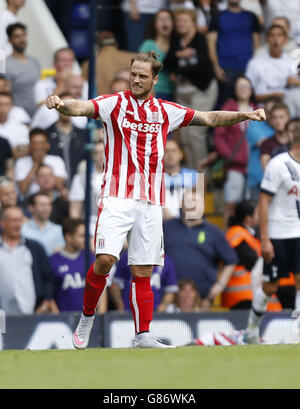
(55, 102)
(258, 115)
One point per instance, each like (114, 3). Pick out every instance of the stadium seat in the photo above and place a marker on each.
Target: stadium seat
(81, 15)
(79, 42)
(210, 212)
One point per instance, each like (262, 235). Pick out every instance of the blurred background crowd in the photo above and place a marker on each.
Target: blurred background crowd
(217, 54)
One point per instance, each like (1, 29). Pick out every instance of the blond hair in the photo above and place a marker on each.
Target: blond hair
(152, 57)
(189, 12)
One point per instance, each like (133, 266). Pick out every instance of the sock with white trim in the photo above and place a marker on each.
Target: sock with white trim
(258, 308)
(141, 303)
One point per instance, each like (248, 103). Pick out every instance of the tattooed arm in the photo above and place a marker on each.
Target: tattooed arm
(226, 118)
(71, 107)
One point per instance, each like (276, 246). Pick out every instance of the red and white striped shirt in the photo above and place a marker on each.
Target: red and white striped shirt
(135, 133)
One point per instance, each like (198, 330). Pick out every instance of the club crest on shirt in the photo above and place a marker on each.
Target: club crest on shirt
(155, 116)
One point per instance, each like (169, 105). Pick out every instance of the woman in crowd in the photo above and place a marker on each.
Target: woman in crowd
(231, 144)
(204, 9)
(158, 38)
(187, 299)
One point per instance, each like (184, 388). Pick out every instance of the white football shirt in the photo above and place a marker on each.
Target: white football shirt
(16, 133)
(282, 181)
(24, 165)
(268, 74)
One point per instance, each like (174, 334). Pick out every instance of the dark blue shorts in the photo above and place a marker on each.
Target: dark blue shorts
(286, 260)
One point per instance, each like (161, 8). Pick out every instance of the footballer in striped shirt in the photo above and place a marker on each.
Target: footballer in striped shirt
(136, 126)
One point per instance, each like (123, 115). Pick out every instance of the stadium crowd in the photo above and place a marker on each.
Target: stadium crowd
(217, 54)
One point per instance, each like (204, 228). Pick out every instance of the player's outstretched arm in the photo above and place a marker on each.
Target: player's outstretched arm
(226, 118)
(71, 107)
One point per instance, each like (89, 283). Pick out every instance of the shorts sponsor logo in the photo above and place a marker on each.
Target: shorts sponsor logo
(101, 243)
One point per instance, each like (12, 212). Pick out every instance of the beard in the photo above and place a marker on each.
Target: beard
(234, 3)
(20, 48)
(140, 92)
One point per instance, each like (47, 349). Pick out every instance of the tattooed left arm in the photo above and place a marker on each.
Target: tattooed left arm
(226, 118)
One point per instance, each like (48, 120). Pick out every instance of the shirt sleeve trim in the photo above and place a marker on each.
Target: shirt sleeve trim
(96, 109)
(267, 192)
(190, 113)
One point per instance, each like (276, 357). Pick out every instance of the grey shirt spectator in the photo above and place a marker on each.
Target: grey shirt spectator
(39, 228)
(26, 280)
(22, 70)
(17, 294)
(23, 76)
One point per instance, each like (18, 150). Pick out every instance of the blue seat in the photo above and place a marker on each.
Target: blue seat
(79, 42)
(81, 15)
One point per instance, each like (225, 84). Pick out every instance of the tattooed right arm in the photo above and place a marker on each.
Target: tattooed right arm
(225, 118)
(71, 107)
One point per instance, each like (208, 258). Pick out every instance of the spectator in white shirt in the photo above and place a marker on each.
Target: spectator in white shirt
(271, 73)
(26, 168)
(75, 85)
(290, 45)
(8, 193)
(64, 59)
(16, 114)
(286, 8)
(15, 133)
(9, 16)
(292, 99)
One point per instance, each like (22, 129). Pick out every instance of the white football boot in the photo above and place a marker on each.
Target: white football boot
(251, 335)
(145, 340)
(81, 335)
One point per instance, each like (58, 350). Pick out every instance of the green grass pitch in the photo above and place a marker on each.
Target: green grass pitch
(262, 366)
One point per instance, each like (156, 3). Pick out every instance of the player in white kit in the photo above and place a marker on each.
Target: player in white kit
(136, 126)
(279, 213)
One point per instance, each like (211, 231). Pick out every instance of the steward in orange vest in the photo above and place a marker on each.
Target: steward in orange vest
(238, 293)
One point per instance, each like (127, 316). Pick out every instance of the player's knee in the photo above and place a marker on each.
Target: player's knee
(141, 271)
(104, 263)
(270, 288)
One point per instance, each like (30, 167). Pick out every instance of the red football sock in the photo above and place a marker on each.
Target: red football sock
(141, 303)
(94, 286)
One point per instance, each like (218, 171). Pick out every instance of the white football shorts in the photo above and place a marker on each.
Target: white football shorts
(138, 221)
